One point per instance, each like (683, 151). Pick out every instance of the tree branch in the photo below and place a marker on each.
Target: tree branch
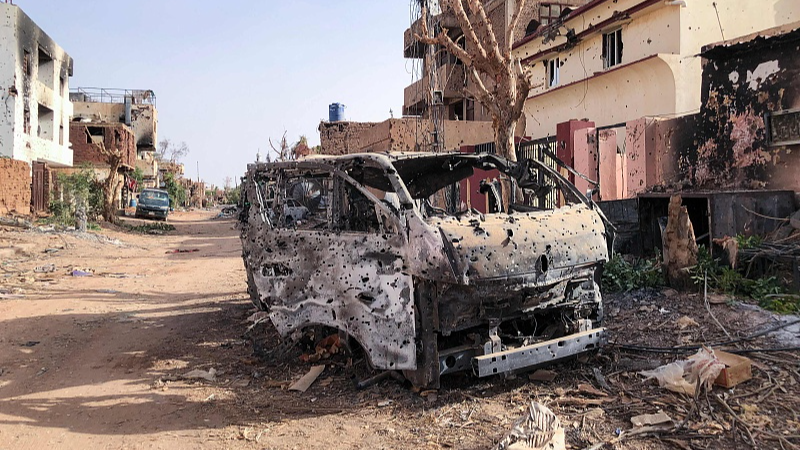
(512, 28)
(476, 7)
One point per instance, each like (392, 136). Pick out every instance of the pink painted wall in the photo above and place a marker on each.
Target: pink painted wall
(586, 157)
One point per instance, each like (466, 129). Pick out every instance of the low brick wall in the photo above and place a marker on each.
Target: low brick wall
(15, 187)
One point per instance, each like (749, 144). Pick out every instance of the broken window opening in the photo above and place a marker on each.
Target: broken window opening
(553, 72)
(783, 127)
(549, 13)
(612, 48)
(46, 69)
(26, 63)
(46, 126)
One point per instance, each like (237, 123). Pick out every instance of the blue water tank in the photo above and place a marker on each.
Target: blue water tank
(336, 112)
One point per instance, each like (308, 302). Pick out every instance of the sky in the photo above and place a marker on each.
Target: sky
(229, 75)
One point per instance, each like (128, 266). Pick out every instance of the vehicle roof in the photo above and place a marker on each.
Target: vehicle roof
(155, 190)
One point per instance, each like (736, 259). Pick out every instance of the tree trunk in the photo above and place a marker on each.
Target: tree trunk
(109, 196)
(504, 139)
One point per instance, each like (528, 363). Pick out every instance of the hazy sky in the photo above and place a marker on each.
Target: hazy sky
(230, 74)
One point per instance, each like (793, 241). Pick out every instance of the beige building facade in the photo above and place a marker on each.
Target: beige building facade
(615, 61)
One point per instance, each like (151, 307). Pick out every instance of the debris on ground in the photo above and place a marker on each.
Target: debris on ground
(737, 369)
(308, 379)
(651, 419)
(538, 428)
(324, 349)
(81, 273)
(30, 344)
(700, 369)
(49, 268)
(542, 375)
(209, 375)
(181, 250)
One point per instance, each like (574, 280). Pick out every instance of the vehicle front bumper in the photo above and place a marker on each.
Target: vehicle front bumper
(539, 353)
(156, 213)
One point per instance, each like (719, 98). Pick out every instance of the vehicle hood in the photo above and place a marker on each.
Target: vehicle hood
(537, 248)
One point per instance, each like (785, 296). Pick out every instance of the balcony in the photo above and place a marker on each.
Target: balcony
(453, 78)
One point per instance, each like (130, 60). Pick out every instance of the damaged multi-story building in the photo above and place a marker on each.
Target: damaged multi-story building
(34, 122)
(630, 96)
(438, 114)
(131, 109)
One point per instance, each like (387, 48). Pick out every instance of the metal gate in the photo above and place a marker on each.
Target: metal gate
(38, 183)
(543, 150)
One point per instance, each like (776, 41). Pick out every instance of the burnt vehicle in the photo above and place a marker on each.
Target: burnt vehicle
(422, 290)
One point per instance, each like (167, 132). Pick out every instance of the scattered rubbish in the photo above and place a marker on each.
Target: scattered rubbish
(182, 251)
(30, 344)
(308, 379)
(81, 273)
(119, 275)
(385, 403)
(431, 395)
(210, 375)
(542, 375)
(41, 371)
(244, 382)
(601, 380)
(367, 382)
(326, 382)
(588, 389)
(651, 419)
(211, 398)
(686, 322)
(324, 349)
(49, 268)
(737, 369)
(538, 428)
(107, 291)
(53, 250)
(5, 296)
(684, 376)
(594, 414)
(2, 371)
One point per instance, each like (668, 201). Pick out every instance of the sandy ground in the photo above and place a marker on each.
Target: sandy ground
(96, 362)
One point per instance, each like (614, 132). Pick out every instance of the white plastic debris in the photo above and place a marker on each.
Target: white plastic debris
(702, 368)
(211, 375)
(538, 429)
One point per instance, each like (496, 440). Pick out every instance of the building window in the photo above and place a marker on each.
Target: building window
(45, 128)
(612, 48)
(26, 121)
(46, 69)
(26, 62)
(549, 13)
(783, 127)
(553, 72)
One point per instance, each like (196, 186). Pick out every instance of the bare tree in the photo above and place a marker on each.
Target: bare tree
(114, 157)
(169, 151)
(283, 149)
(228, 182)
(499, 80)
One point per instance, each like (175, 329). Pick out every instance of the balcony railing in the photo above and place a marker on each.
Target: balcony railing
(112, 95)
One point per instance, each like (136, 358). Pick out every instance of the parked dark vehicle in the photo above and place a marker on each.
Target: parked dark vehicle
(423, 289)
(153, 204)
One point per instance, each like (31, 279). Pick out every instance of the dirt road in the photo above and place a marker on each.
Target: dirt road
(96, 362)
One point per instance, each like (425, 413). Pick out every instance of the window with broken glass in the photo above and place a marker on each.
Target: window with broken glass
(612, 48)
(553, 72)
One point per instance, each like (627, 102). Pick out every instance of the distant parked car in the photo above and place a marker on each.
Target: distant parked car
(153, 204)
